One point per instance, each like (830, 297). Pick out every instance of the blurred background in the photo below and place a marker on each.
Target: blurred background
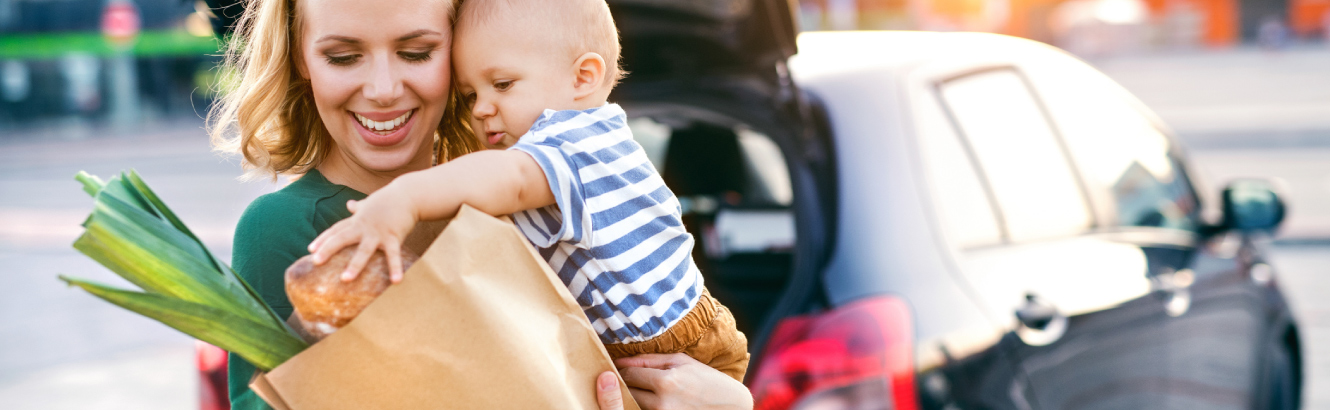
(103, 86)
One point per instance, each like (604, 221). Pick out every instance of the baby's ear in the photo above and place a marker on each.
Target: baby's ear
(590, 69)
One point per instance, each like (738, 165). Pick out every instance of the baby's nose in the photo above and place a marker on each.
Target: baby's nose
(482, 110)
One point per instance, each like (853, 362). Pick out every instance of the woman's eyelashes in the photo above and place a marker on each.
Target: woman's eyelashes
(416, 56)
(342, 60)
(351, 59)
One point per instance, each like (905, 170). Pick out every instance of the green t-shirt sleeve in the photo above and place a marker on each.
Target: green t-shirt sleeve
(271, 235)
(273, 232)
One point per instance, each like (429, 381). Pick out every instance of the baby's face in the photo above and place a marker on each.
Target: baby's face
(510, 74)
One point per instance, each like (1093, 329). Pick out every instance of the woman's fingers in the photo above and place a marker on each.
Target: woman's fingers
(645, 399)
(361, 258)
(646, 378)
(655, 361)
(608, 394)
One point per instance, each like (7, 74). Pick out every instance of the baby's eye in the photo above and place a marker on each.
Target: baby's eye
(469, 99)
(343, 60)
(503, 85)
(415, 57)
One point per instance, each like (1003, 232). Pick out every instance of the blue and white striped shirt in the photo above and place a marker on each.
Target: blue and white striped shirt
(614, 236)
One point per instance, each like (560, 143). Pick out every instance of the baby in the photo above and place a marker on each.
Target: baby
(537, 74)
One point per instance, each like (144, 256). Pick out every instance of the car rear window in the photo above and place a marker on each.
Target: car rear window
(1018, 153)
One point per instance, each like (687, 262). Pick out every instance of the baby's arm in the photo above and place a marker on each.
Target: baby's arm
(494, 182)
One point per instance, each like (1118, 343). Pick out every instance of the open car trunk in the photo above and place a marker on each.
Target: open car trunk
(682, 38)
(709, 99)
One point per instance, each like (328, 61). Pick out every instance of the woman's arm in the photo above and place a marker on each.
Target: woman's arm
(672, 381)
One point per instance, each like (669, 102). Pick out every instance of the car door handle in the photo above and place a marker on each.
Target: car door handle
(1040, 322)
(1036, 313)
(1175, 287)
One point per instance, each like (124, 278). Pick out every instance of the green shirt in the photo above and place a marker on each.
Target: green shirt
(275, 231)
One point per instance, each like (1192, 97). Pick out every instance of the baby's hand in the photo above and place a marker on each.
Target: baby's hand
(380, 221)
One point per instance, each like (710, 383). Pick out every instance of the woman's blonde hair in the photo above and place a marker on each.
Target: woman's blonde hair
(266, 113)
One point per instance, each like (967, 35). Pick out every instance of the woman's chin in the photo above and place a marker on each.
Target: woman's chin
(386, 162)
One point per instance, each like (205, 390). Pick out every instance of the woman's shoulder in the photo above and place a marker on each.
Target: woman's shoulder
(303, 204)
(276, 227)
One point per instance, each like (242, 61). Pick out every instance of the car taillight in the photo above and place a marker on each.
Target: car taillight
(212, 377)
(859, 356)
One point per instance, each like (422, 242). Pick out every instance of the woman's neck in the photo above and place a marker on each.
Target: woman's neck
(339, 168)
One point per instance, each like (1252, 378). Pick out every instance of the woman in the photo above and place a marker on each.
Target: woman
(347, 95)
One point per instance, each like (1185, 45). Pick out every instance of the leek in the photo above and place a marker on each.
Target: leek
(132, 232)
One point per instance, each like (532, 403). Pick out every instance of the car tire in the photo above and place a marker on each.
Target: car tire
(1281, 381)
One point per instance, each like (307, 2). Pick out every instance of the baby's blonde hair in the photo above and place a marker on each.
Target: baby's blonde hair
(267, 113)
(581, 25)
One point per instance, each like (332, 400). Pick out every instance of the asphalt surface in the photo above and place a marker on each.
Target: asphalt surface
(1242, 113)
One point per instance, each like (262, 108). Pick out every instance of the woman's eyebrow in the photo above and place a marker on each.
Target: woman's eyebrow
(333, 37)
(418, 33)
(352, 40)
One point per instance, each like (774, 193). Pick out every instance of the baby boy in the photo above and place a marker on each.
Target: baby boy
(536, 75)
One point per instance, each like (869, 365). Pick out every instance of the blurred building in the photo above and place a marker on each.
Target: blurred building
(58, 64)
(1087, 26)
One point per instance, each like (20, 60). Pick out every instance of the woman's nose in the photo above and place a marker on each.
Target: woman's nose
(384, 85)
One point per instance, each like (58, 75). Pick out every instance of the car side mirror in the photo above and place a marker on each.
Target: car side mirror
(1251, 205)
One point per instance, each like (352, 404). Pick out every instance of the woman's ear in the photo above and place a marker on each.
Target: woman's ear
(590, 68)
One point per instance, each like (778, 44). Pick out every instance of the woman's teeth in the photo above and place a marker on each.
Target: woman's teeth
(388, 126)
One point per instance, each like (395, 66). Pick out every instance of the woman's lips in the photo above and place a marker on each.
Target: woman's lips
(390, 139)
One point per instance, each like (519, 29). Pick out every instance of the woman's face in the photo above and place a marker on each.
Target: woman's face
(379, 71)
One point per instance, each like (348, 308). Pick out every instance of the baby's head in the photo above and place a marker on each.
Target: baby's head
(513, 59)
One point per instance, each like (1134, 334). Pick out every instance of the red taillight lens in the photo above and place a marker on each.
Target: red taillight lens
(858, 356)
(212, 377)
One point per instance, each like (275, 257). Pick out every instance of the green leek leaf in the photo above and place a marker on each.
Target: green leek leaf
(91, 184)
(263, 345)
(132, 232)
(158, 267)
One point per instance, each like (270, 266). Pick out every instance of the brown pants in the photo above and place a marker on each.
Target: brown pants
(707, 334)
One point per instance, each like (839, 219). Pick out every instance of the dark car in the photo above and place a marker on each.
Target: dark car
(909, 220)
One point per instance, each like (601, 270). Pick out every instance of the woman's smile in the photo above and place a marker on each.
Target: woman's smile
(382, 129)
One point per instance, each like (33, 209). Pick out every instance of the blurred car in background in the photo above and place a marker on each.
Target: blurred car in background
(909, 220)
(211, 361)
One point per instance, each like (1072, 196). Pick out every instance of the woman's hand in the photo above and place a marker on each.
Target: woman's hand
(672, 381)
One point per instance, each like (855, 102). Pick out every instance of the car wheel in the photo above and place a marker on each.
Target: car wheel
(1281, 382)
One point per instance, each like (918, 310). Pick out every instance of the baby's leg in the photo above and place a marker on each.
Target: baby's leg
(707, 334)
(722, 346)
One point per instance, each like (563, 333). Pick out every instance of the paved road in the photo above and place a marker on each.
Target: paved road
(59, 347)
(1243, 113)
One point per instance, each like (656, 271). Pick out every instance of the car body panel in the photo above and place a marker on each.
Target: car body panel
(1152, 312)
(886, 229)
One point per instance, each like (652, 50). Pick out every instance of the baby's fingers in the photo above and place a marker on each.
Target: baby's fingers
(393, 251)
(363, 252)
(329, 242)
(352, 205)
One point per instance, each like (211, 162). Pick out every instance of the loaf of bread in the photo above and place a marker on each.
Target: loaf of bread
(323, 302)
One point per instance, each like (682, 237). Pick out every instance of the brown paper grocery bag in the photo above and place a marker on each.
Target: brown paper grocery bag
(480, 322)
